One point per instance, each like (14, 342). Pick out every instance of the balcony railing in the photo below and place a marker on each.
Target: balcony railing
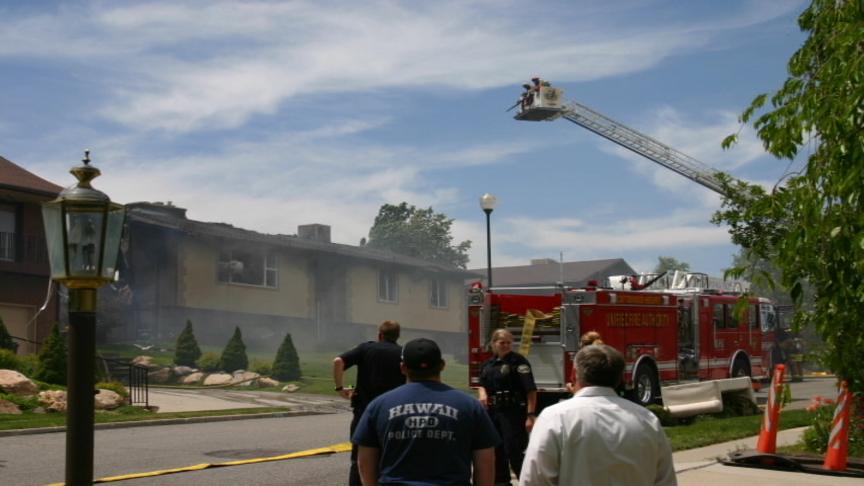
(7, 246)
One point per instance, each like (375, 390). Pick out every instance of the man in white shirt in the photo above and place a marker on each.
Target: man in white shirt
(598, 438)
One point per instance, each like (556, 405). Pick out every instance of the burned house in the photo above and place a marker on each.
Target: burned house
(327, 295)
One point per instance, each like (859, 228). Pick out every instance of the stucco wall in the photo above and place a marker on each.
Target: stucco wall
(198, 287)
(412, 310)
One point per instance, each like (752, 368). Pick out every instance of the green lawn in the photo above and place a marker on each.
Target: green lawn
(707, 430)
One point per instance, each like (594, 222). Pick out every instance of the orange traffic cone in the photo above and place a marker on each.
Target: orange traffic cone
(768, 434)
(838, 442)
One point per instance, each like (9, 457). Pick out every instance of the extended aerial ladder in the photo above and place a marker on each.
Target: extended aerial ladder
(545, 103)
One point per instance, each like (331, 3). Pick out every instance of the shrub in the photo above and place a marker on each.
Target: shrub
(9, 360)
(738, 404)
(114, 386)
(662, 414)
(261, 366)
(52, 359)
(28, 364)
(186, 351)
(209, 362)
(6, 341)
(234, 355)
(25, 403)
(816, 437)
(286, 366)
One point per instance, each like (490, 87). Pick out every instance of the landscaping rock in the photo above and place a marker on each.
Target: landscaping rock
(290, 388)
(39, 410)
(107, 400)
(244, 378)
(9, 408)
(53, 400)
(192, 379)
(162, 375)
(145, 361)
(183, 370)
(217, 379)
(265, 382)
(17, 384)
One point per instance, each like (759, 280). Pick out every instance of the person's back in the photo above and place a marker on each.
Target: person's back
(597, 438)
(378, 370)
(613, 438)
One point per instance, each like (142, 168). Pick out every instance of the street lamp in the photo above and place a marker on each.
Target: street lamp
(82, 229)
(487, 204)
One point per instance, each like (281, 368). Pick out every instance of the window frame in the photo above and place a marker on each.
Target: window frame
(437, 293)
(391, 287)
(269, 268)
(9, 238)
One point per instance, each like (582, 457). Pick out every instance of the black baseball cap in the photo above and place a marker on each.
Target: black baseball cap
(421, 354)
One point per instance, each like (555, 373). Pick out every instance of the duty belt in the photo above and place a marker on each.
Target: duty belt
(505, 399)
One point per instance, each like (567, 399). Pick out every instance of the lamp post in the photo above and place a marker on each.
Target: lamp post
(83, 229)
(487, 203)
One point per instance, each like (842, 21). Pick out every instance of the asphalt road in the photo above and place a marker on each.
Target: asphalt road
(39, 459)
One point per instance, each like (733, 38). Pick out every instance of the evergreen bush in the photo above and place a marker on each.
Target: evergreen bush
(6, 341)
(209, 362)
(187, 352)
(9, 360)
(234, 355)
(286, 366)
(52, 359)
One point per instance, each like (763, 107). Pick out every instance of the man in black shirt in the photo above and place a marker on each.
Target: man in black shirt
(378, 371)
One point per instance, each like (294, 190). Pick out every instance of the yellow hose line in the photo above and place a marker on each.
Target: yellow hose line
(341, 447)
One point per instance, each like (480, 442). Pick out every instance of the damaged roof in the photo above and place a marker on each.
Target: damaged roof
(172, 217)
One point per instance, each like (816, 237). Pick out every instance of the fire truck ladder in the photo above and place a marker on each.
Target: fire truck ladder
(630, 139)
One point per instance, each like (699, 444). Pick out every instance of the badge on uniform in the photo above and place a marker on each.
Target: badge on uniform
(524, 368)
(505, 369)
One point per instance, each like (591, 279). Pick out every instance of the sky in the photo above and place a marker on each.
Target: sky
(268, 115)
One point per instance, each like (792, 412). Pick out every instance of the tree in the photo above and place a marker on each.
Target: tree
(234, 355)
(52, 359)
(286, 366)
(670, 264)
(187, 352)
(420, 233)
(813, 227)
(6, 341)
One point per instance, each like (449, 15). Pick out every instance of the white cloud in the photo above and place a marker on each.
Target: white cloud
(201, 65)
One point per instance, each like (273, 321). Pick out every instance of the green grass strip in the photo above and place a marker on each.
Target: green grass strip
(707, 430)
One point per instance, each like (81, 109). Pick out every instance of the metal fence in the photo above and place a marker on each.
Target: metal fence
(133, 377)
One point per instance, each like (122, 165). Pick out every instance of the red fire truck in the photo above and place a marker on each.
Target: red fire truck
(667, 336)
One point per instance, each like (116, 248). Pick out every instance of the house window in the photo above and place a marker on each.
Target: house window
(7, 233)
(438, 293)
(387, 287)
(248, 268)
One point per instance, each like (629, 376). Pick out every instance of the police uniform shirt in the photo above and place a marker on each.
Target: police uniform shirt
(512, 373)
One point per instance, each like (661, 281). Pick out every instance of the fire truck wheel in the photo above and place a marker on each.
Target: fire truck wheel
(646, 387)
(740, 368)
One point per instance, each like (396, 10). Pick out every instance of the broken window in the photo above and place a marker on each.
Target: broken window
(248, 268)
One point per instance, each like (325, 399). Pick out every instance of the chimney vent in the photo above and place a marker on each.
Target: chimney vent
(314, 232)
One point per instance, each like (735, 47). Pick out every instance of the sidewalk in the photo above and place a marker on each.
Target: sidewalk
(699, 467)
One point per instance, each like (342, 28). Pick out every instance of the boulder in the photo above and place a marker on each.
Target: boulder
(53, 400)
(244, 378)
(217, 379)
(107, 400)
(192, 379)
(290, 388)
(17, 384)
(265, 382)
(162, 375)
(9, 408)
(183, 370)
(145, 361)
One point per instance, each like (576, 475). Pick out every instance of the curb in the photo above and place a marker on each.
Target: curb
(169, 421)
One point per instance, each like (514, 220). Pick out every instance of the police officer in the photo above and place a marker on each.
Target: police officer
(510, 395)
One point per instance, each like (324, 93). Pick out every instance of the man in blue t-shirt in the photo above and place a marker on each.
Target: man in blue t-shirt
(425, 432)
